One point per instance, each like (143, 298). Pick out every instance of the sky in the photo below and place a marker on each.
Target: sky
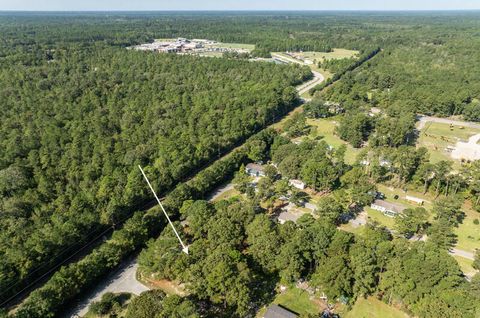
(107, 5)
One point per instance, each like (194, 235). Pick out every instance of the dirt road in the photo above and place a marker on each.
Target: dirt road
(462, 253)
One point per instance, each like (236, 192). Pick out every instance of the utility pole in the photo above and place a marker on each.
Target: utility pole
(184, 247)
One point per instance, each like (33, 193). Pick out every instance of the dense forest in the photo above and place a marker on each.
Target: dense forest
(75, 127)
(429, 62)
(79, 112)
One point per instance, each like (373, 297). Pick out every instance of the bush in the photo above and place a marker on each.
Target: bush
(476, 222)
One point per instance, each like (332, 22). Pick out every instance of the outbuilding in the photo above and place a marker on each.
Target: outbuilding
(414, 200)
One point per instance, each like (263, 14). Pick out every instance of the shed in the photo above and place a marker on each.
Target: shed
(414, 200)
(275, 311)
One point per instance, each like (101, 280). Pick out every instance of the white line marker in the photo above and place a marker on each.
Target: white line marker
(184, 247)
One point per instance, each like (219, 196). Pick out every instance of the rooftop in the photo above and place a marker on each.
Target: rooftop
(255, 166)
(275, 311)
(289, 216)
(395, 207)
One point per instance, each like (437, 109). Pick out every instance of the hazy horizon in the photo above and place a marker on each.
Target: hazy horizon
(246, 5)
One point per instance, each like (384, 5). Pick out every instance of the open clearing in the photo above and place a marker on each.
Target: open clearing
(336, 54)
(465, 265)
(380, 217)
(373, 308)
(326, 129)
(436, 137)
(468, 233)
(298, 301)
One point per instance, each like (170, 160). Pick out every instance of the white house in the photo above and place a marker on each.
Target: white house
(387, 208)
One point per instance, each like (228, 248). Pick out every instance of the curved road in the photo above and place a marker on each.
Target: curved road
(122, 280)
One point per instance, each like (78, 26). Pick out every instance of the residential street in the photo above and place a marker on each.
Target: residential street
(122, 280)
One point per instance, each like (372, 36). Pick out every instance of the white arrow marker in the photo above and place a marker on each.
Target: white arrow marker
(184, 247)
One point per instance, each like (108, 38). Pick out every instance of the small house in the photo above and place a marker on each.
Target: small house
(416, 200)
(387, 208)
(275, 311)
(255, 170)
(297, 184)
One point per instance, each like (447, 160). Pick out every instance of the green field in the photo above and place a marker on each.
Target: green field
(296, 300)
(336, 54)
(373, 308)
(227, 195)
(465, 265)
(380, 217)
(317, 57)
(326, 128)
(436, 137)
(390, 193)
(468, 233)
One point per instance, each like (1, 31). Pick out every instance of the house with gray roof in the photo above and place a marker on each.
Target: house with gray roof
(275, 311)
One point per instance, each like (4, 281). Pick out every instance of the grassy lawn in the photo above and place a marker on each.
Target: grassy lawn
(349, 228)
(465, 265)
(373, 308)
(436, 137)
(336, 54)
(227, 195)
(468, 233)
(325, 128)
(380, 217)
(390, 193)
(296, 300)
